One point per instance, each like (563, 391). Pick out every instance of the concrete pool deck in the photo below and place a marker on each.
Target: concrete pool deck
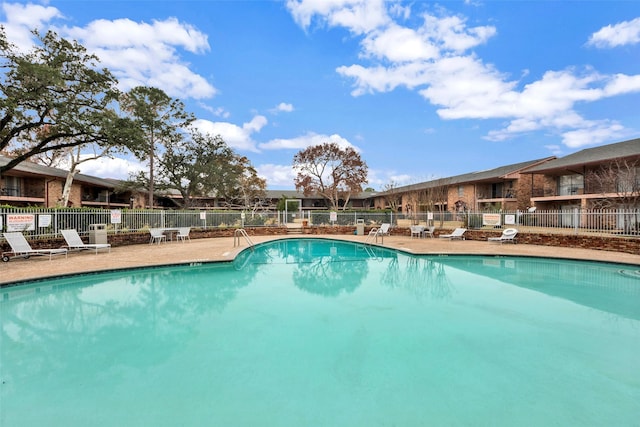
(222, 249)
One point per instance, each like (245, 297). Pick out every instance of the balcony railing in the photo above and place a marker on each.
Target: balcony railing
(10, 191)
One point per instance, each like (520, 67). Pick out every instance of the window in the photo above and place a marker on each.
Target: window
(11, 186)
(569, 185)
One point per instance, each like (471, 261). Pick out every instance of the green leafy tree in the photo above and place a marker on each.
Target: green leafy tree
(162, 119)
(56, 97)
(204, 165)
(331, 172)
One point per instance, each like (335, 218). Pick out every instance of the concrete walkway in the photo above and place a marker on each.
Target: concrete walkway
(222, 249)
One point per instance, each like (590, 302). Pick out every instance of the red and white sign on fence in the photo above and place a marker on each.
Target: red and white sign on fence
(116, 216)
(21, 222)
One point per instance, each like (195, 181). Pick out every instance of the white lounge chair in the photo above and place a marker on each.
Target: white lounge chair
(383, 230)
(157, 235)
(20, 248)
(74, 242)
(183, 233)
(458, 234)
(508, 235)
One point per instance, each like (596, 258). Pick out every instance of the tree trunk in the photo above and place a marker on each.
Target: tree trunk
(67, 187)
(346, 201)
(151, 178)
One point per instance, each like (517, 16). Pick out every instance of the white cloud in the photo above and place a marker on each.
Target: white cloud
(549, 104)
(620, 34)
(237, 137)
(401, 179)
(116, 168)
(282, 107)
(556, 150)
(436, 61)
(437, 37)
(621, 84)
(307, 140)
(359, 16)
(467, 88)
(277, 175)
(22, 18)
(399, 44)
(452, 33)
(140, 53)
(159, 36)
(137, 53)
(594, 133)
(216, 111)
(379, 178)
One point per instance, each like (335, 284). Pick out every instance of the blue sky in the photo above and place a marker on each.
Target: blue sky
(421, 89)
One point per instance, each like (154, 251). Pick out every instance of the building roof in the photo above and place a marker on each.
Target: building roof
(590, 156)
(489, 175)
(31, 168)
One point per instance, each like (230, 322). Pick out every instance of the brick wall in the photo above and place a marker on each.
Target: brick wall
(75, 195)
(629, 245)
(54, 189)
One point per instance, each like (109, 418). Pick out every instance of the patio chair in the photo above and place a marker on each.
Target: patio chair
(416, 230)
(428, 231)
(508, 235)
(183, 233)
(157, 235)
(20, 248)
(457, 234)
(74, 242)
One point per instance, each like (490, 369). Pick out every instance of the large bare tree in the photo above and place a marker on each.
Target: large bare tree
(619, 184)
(331, 172)
(434, 197)
(393, 196)
(249, 191)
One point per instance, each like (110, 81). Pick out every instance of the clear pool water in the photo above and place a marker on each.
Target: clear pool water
(314, 332)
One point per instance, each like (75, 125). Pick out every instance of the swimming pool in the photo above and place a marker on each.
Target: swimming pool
(326, 333)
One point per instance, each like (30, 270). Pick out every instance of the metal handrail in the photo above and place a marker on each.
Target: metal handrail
(375, 234)
(241, 232)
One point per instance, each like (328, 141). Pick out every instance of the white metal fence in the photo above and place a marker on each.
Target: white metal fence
(45, 223)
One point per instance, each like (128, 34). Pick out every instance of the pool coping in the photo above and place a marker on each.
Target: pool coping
(199, 251)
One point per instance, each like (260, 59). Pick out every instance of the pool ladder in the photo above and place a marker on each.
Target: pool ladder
(241, 232)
